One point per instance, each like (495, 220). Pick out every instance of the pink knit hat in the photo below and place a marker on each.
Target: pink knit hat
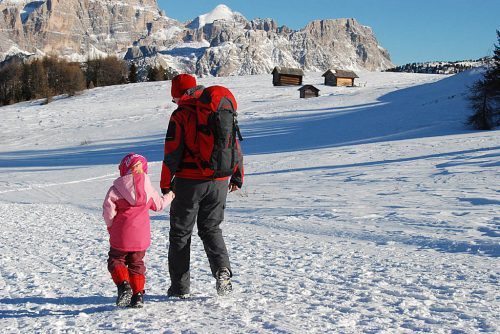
(130, 160)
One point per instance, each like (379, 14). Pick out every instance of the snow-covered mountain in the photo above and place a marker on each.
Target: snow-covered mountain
(257, 46)
(221, 12)
(221, 42)
(366, 210)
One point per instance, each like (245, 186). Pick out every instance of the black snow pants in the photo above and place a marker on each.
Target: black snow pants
(204, 202)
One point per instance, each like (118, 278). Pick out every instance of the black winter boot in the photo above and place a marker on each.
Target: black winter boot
(223, 282)
(137, 300)
(124, 294)
(176, 294)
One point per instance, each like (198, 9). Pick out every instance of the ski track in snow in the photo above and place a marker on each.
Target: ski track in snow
(388, 228)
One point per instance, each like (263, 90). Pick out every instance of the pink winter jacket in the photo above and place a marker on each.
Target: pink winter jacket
(126, 211)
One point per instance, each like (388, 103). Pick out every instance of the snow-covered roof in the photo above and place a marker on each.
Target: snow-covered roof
(341, 74)
(287, 70)
(308, 87)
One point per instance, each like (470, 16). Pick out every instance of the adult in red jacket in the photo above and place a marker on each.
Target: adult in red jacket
(198, 198)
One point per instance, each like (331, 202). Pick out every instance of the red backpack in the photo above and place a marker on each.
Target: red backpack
(216, 131)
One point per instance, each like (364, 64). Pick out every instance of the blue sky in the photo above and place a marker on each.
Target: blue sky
(412, 31)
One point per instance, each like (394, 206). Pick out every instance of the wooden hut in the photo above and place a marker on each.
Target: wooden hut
(283, 76)
(339, 78)
(307, 91)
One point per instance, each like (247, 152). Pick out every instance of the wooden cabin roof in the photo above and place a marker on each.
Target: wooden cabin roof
(341, 74)
(288, 70)
(311, 87)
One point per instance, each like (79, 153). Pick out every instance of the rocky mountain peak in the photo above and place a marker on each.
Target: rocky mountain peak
(267, 24)
(221, 42)
(219, 13)
(76, 29)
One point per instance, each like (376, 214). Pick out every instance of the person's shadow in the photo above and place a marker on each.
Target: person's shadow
(90, 305)
(22, 309)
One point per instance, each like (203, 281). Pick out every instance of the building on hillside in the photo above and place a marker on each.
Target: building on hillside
(283, 76)
(339, 78)
(307, 91)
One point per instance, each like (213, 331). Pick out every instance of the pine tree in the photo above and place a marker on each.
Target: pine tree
(161, 74)
(493, 74)
(480, 103)
(132, 73)
(11, 85)
(27, 78)
(92, 72)
(154, 74)
(106, 71)
(170, 73)
(39, 81)
(114, 71)
(485, 95)
(72, 79)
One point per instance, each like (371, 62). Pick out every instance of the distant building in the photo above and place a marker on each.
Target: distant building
(339, 78)
(284, 76)
(307, 91)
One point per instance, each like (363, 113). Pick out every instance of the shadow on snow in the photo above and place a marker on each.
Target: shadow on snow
(428, 110)
(476, 247)
(84, 155)
(402, 114)
(100, 304)
(105, 304)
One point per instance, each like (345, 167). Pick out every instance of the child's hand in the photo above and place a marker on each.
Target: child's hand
(169, 196)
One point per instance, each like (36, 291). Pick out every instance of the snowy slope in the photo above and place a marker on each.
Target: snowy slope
(366, 210)
(15, 2)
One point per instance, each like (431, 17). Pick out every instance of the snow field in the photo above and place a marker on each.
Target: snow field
(367, 210)
(284, 282)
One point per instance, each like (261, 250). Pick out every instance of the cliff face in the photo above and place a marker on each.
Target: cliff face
(11, 29)
(218, 43)
(260, 45)
(342, 42)
(77, 27)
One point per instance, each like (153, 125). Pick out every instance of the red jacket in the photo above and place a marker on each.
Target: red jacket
(181, 148)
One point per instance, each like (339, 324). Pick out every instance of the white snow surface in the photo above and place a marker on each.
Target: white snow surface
(15, 2)
(366, 210)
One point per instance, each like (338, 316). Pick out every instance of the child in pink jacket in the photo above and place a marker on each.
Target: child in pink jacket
(126, 213)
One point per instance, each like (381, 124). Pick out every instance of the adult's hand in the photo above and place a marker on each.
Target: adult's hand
(233, 187)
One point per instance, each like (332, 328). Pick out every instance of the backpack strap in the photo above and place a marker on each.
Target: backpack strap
(237, 130)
